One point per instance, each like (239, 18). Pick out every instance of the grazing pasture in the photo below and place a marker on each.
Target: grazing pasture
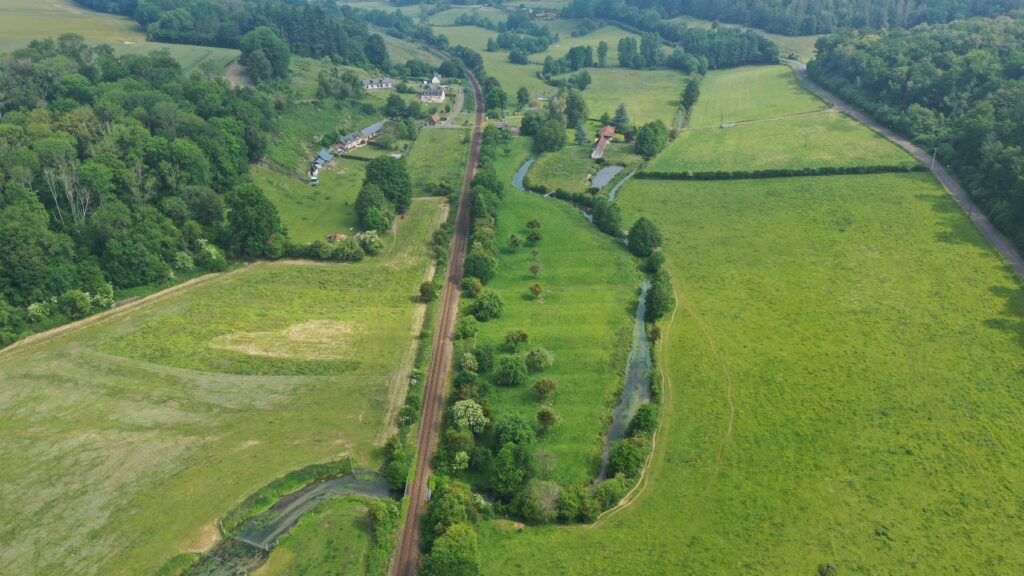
(649, 95)
(750, 93)
(315, 212)
(566, 169)
(812, 141)
(845, 378)
(128, 436)
(438, 154)
(401, 51)
(590, 289)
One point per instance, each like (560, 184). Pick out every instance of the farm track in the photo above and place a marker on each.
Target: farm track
(435, 390)
(980, 220)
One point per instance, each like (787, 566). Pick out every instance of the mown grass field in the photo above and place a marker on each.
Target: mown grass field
(566, 169)
(813, 141)
(448, 17)
(124, 440)
(333, 539)
(438, 154)
(649, 95)
(845, 388)
(585, 319)
(22, 21)
(315, 212)
(750, 93)
(401, 51)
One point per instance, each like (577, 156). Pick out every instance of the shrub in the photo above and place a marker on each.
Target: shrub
(546, 418)
(428, 292)
(468, 363)
(512, 371)
(453, 554)
(577, 503)
(485, 358)
(489, 306)
(545, 386)
(538, 502)
(538, 359)
(511, 470)
(466, 328)
(472, 286)
(74, 304)
(628, 456)
(481, 264)
(644, 237)
(644, 422)
(516, 339)
(371, 242)
(654, 262)
(610, 492)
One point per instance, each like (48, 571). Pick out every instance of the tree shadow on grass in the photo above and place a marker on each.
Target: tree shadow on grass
(1013, 310)
(958, 228)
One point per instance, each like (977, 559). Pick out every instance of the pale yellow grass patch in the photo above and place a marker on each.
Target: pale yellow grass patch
(314, 340)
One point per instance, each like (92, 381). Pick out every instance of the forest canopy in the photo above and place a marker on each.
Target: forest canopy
(956, 88)
(116, 172)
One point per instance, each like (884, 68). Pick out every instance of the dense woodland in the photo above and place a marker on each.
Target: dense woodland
(957, 88)
(317, 30)
(795, 17)
(118, 172)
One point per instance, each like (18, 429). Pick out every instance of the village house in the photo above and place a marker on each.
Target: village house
(350, 142)
(435, 80)
(434, 120)
(378, 83)
(604, 136)
(433, 94)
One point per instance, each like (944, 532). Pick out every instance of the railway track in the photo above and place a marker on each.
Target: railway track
(435, 391)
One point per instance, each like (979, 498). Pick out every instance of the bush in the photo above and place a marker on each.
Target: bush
(538, 502)
(538, 359)
(512, 371)
(610, 492)
(348, 250)
(468, 363)
(644, 237)
(472, 286)
(428, 292)
(516, 339)
(546, 418)
(660, 297)
(628, 456)
(644, 422)
(454, 553)
(577, 504)
(75, 304)
(467, 328)
(654, 262)
(468, 415)
(481, 264)
(489, 306)
(485, 358)
(371, 242)
(545, 386)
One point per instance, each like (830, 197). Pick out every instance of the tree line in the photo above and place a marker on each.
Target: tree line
(314, 29)
(118, 172)
(956, 89)
(793, 17)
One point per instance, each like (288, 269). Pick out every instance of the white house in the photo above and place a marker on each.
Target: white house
(433, 94)
(382, 83)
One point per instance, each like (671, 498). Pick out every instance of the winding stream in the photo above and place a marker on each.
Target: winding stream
(636, 390)
(517, 180)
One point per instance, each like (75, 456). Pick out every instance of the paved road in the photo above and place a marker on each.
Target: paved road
(966, 204)
(440, 361)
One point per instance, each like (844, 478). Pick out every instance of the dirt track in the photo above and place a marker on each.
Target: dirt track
(432, 413)
(952, 186)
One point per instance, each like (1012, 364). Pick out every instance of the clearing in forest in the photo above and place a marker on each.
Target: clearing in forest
(129, 435)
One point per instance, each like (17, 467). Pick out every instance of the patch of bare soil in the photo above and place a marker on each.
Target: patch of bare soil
(237, 76)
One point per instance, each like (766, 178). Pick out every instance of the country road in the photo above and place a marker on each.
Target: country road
(952, 186)
(432, 412)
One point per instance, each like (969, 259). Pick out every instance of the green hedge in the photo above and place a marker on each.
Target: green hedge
(778, 172)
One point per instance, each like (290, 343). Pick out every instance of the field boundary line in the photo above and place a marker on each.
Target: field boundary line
(645, 475)
(118, 311)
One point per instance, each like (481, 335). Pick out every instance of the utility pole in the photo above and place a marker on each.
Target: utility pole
(934, 152)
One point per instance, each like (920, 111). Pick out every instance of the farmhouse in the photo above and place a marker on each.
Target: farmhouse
(433, 94)
(350, 142)
(436, 80)
(382, 83)
(604, 136)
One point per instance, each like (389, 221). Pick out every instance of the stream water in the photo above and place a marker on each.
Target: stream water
(615, 189)
(517, 180)
(636, 390)
(604, 176)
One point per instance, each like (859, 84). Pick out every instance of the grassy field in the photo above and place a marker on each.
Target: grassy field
(649, 95)
(331, 540)
(22, 21)
(125, 439)
(845, 388)
(800, 46)
(813, 141)
(448, 17)
(438, 154)
(401, 51)
(750, 93)
(567, 169)
(314, 212)
(585, 319)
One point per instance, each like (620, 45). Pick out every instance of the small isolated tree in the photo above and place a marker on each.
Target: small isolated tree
(428, 292)
(535, 269)
(534, 236)
(535, 253)
(515, 242)
(538, 359)
(468, 415)
(537, 291)
(523, 97)
(610, 492)
(621, 119)
(512, 371)
(651, 139)
(644, 237)
(533, 224)
(488, 306)
(516, 339)
(546, 418)
(545, 387)
(691, 93)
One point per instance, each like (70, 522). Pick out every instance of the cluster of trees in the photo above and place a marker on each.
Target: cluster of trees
(386, 191)
(548, 127)
(399, 25)
(264, 55)
(643, 54)
(317, 29)
(792, 17)
(118, 172)
(651, 139)
(696, 49)
(953, 88)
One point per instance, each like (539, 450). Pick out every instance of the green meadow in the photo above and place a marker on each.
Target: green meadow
(401, 51)
(751, 93)
(126, 438)
(315, 212)
(812, 141)
(566, 169)
(439, 154)
(800, 46)
(584, 318)
(844, 378)
(333, 539)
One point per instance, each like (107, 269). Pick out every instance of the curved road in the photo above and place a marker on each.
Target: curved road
(962, 197)
(435, 390)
